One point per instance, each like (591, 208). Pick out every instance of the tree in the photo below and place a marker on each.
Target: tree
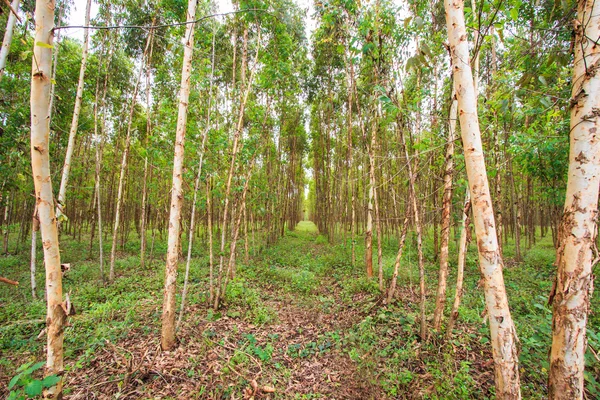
(502, 330)
(576, 254)
(8, 34)
(168, 339)
(76, 110)
(40, 165)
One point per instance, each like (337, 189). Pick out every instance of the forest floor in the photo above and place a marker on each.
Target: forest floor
(299, 322)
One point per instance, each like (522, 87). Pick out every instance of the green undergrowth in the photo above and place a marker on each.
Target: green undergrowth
(307, 272)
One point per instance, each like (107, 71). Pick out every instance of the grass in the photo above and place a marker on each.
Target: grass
(299, 301)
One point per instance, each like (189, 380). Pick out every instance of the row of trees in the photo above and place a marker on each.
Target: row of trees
(239, 109)
(386, 94)
(385, 88)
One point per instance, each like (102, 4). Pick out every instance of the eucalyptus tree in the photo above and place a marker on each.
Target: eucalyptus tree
(577, 254)
(8, 34)
(40, 165)
(168, 339)
(502, 329)
(76, 110)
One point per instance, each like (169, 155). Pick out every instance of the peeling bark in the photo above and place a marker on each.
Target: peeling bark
(577, 254)
(502, 330)
(40, 165)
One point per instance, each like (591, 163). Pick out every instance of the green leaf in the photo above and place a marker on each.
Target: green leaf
(35, 367)
(34, 388)
(14, 381)
(514, 13)
(50, 381)
(24, 366)
(44, 45)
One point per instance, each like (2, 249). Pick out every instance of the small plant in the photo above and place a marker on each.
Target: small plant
(24, 385)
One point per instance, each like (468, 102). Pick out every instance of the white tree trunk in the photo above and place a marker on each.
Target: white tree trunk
(8, 34)
(502, 330)
(168, 339)
(576, 254)
(62, 192)
(40, 165)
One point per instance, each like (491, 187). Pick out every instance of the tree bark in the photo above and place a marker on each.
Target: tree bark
(196, 187)
(144, 212)
(8, 34)
(168, 339)
(446, 214)
(419, 228)
(40, 165)
(462, 256)
(576, 254)
(502, 330)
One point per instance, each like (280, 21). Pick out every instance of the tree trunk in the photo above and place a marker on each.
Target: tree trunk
(168, 339)
(117, 214)
(210, 242)
(62, 192)
(8, 34)
(576, 254)
(419, 228)
(392, 288)
(144, 212)
(40, 165)
(196, 187)
(440, 301)
(462, 256)
(234, 152)
(369, 230)
(502, 330)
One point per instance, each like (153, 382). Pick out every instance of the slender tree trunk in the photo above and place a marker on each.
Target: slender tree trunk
(97, 188)
(196, 187)
(8, 34)
(117, 214)
(462, 256)
(210, 242)
(392, 288)
(419, 229)
(235, 149)
(502, 330)
(6, 224)
(144, 211)
(369, 230)
(576, 254)
(168, 339)
(62, 192)
(446, 214)
(40, 165)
